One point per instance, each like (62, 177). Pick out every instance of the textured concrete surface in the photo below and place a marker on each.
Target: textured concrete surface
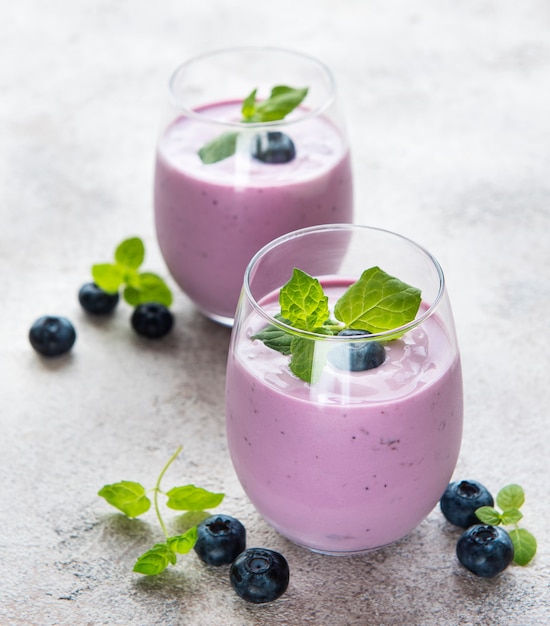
(447, 106)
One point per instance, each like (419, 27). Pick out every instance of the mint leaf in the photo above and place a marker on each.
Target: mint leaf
(275, 338)
(191, 498)
(219, 148)
(378, 302)
(249, 105)
(182, 544)
(488, 515)
(510, 497)
(108, 277)
(148, 287)
(511, 516)
(525, 545)
(130, 252)
(309, 357)
(303, 301)
(155, 560)
(127, 496)
(282, 101)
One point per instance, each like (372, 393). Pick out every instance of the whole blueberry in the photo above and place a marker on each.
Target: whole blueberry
(259, 575)
(52, 335)
(485, 550)
(152, 320)
(460, 501)
(221, 538)
(273, 147)
(357, 356)
(95, 300)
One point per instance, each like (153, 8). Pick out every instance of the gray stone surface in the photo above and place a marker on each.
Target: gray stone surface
(448, 111)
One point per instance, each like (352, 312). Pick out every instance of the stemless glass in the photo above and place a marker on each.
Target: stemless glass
(212, 218)
(356, 459)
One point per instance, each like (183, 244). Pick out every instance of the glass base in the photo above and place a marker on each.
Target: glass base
(219, 319)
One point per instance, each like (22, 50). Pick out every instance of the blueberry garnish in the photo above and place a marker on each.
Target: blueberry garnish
(221, 538)
(357, 356)
(259, 575)
(51, 335)
(152, 320)
(95, 300)
(460, 501)
(273, 147)
(485, 550)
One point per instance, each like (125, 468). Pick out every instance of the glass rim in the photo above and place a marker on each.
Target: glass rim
(381, 336)
(307, 113)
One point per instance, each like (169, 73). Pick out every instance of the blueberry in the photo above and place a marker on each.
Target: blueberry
(460, 501)
(273, 147)
(357, 356)
(259, 575)
(95, 300)
(221, 539)
(152, 320)
(485, 550)
(52, 335)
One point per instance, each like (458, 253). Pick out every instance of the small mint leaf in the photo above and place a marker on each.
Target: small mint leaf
(525, 545)
(511, 516)
(219, 148)
(488, 515)
(249, 106)
(130, 253)
(274, 337)
(182, 544)
(510, 497)
(155, 560)
(191, 498)
(303, 301)
(309, 357)
(127, 496)
(282, 101)
(108, 277)
(377, 302)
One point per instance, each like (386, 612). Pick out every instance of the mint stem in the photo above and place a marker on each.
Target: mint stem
(157, 489)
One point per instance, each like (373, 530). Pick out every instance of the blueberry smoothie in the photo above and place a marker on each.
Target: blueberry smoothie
(212, 218)
(359, 458)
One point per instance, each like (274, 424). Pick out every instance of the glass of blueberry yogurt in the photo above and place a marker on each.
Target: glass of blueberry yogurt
(344, 399)
(252, 146)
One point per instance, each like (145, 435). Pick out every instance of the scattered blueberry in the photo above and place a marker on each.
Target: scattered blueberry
(52, 335)
(259, 575)
(460, 501)
(485, 550)
(152, 320)
(273, 147)
(95, 300)
(357, 356)
(221, 538)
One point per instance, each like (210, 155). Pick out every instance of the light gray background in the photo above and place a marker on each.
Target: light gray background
(447, 105)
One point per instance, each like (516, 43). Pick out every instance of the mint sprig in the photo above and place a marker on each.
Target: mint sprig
(282, 101)
(139, 287)
(377, 302)
(510, 499)
(131, 499)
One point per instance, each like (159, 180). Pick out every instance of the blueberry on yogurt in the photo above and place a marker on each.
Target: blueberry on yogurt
(357, 356)
(273, 147)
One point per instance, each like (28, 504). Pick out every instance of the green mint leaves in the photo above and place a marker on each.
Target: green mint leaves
(131, 499)
(377, 302)
(510, 499)
(139, 287)
(282, 101)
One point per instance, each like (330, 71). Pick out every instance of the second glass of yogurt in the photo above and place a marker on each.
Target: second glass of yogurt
(344, 440)
(211, 215)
